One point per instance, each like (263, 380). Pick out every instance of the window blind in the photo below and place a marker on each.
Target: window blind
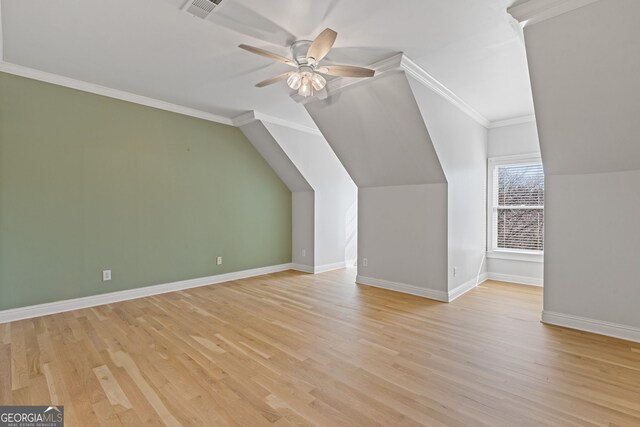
(519, 207)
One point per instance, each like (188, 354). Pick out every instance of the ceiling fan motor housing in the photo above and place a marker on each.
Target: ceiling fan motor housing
(299, 51)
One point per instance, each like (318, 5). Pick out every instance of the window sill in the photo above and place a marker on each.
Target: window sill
(516, 256)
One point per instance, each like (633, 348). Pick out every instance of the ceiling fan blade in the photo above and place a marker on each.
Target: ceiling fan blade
(275, 79)
(268, 54)
(346, 71)
(322, 45)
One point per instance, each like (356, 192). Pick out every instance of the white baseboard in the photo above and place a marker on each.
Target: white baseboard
(329, 267)
(520, 280)
(423, 292)
(404, 288)
(318, 269)
(303, 268)
(600, 327)
(466, 287)
(111, 297)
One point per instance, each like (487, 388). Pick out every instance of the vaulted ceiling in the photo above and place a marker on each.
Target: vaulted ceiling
(152, 48)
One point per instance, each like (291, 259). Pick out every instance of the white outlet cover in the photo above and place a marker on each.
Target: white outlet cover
(106, 275)
(219, 260)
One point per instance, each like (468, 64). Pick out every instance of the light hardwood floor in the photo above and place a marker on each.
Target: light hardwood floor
(296, 349)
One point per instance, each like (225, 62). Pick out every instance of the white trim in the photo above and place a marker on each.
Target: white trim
(68, 82)
(403, 288)
(111, 297)
(533, 11)
(512, 121)
(433, 294)
(252, 116)
(492, 163)
(394, 64)
(329, 267)
(600, 327)
(428, 81)
(516, 256)
(59, 80)
(383, 67)
(302, 268)
(525, 158)
(43, 76)
(466, 287)
(518, 280)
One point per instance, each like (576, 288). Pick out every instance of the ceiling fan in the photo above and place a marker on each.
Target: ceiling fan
(306, 58)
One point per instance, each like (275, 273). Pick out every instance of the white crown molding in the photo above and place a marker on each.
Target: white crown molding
(59, 80)
(531, 12)
(112, 297)
(252, 116)
(237, 121)
(512, 121)
(396, 63)
(427, 80)
(56, 79)
(600, 327)
(244, 118)
(383, 67)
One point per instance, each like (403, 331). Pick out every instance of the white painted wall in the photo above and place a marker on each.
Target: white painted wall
(513, 140)
(404, 235)
(591, 263)
(584, 68)
(420, 164)
(504, 141)
(303, 229)
(302, 194)
(336, 195)
(461, 145)
(379, 135)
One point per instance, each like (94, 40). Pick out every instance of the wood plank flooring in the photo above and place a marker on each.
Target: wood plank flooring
(291, 349)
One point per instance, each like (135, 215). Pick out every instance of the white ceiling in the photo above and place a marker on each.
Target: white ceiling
(151, 48)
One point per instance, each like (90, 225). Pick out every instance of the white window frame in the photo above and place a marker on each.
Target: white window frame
(492, 250)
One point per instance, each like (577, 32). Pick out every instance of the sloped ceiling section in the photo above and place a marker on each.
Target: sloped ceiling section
(461, 145)
(377, 132)
(268, 147)
(584, 67)
(302, 194)
(586, 88)
(335, 193)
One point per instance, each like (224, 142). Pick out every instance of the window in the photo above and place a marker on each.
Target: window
(517, 208)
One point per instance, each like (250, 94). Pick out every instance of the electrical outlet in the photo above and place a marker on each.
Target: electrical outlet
(365, 262)
(455, 271)
(304, 252)
(219, 260)
(106, 275)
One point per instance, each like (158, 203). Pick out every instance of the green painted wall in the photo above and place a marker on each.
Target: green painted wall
(89, 183)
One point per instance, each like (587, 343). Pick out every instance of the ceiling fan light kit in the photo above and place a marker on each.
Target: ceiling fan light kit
(307, 55)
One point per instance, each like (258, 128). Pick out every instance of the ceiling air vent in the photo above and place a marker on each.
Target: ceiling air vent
(200, 8)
